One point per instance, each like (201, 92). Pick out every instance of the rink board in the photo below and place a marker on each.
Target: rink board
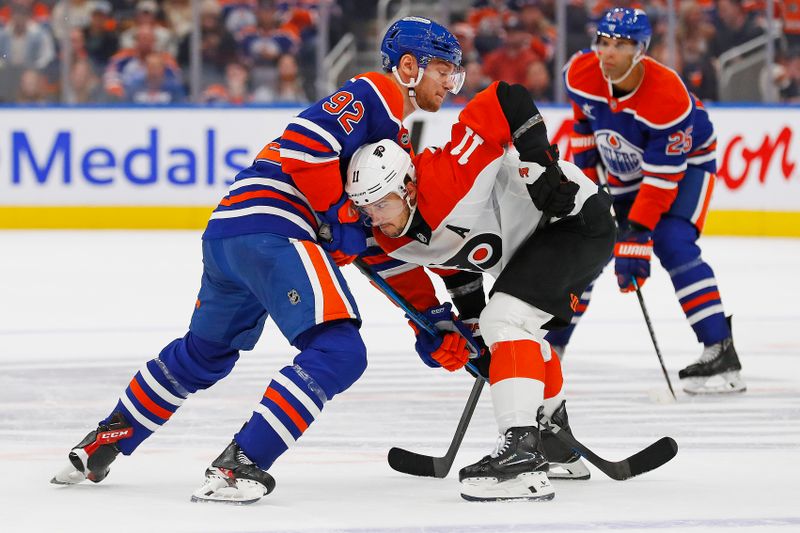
(166, 168)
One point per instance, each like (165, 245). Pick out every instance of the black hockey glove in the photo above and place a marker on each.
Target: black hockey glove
(552, 193)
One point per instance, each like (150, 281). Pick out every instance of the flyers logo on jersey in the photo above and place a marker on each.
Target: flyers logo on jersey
(523, 172)
(573, 302)
(619, 155)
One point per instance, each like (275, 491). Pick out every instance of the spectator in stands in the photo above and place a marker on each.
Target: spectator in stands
(538, 82)
(24, 42)
(84, 83)
(474, 82)
(147, 16)
(789, 81)
(488, 24)
(791, 23)
(217, 46)
(40, 11)
(68, 14)
(235, 90)
(100, 35)
(510, 62)
(178, 16)
(734, 27)
(128, 64)
(466, 37)
(33, 88)
(698, 70)
(156, 84)
(289, 87)
(540, 29)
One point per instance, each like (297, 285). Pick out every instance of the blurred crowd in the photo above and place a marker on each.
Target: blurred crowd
(515, 40)
(138, 51)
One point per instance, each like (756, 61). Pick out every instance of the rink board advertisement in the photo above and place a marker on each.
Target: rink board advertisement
(168, 167)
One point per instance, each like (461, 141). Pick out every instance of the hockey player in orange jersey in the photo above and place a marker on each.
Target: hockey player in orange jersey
(535, 223)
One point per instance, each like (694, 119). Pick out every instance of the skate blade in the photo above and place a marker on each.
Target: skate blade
(725, 383)
(68, 476)
(217, 490)
(575, 470)
(532, 486)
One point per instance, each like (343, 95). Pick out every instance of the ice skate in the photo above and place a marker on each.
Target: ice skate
(565, 463)
(715, 372)
(91, 457)
(517, 470)
(234, 479)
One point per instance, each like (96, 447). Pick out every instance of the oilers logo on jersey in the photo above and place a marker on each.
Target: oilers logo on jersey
(621, 157)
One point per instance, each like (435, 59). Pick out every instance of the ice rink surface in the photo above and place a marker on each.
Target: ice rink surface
(80, 312)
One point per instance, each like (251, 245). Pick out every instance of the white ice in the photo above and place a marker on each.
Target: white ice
(80, 312)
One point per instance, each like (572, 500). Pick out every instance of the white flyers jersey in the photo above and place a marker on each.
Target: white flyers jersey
(474, 210)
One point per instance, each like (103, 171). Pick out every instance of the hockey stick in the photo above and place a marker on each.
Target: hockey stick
(601, 176)
(417, 464)
(405, 461)
(418, 318)
(650, 458)
(653, 335)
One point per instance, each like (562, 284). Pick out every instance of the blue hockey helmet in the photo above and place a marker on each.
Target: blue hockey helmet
(626, 23)
(425, 40)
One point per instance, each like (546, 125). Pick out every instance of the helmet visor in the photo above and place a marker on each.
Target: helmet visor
(384, 210)
(457, 79)
(447, 74)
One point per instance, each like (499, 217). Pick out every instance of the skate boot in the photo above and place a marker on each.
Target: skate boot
(565, 463)
(91, 457)
(233, 478)
(517, 470)
(715, 372)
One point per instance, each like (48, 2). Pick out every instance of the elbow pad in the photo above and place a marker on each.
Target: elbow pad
(527, 126)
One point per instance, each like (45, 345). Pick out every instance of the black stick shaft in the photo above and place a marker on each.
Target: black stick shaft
(653, 336)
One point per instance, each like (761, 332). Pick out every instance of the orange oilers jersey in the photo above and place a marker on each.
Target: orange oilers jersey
(474, 209)
(645, 139)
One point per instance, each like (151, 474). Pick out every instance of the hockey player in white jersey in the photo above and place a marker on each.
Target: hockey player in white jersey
(536, 224)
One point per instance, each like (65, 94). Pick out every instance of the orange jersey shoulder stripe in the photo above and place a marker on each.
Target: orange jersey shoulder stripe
(227, 202)
(388, 90)
(306, 141)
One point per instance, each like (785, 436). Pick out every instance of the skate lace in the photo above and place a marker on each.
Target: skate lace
(243, 459)
(503, 442)
(710, 353)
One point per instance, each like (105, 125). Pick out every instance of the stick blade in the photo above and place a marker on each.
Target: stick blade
(657, 454)
(416, 464)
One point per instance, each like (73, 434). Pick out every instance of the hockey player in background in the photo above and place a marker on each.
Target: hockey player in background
(538, 225)
(261, 257)
(653, 140)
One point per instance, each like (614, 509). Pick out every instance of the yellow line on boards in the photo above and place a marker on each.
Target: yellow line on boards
(742, 223)
(104, 217)
(753, 223)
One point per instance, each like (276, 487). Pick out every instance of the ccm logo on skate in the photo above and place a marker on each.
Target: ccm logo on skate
(108, 437)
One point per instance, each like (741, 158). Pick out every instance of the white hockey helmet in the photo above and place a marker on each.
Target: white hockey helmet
(377, 170)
